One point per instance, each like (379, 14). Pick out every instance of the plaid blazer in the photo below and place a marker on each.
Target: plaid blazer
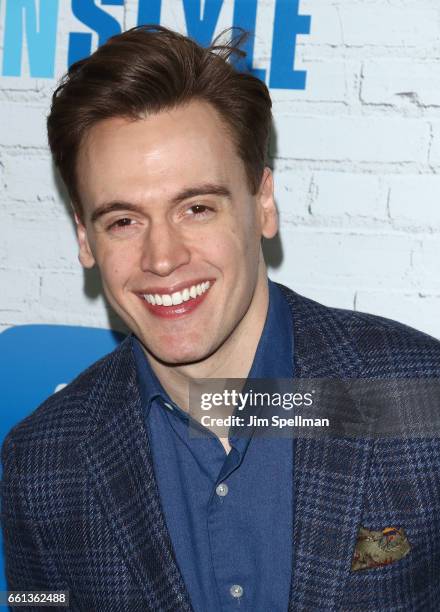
(81, 509)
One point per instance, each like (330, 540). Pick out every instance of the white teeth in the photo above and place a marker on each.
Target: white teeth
(178, 296)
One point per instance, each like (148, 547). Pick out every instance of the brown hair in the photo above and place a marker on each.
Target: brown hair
(149, 69)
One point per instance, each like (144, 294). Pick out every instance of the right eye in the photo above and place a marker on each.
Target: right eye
(120, 223)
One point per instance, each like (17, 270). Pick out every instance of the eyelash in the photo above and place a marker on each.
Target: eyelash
(205, 212)
(119, 223)
(115, 224)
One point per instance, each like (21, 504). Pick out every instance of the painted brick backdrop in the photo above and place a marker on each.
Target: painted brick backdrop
(356, 158)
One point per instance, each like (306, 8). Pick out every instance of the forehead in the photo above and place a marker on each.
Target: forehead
(157, 155)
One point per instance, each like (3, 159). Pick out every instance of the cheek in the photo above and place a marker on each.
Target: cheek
(248, 239)
(115, 266)
(220, 249)
(234, 252)
(247, 228)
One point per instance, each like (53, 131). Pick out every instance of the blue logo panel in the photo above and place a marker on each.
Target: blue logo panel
(31, 27)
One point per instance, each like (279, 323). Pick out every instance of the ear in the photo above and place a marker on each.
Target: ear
(85, 255)
(267, 206)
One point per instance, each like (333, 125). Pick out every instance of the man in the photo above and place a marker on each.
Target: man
(163, 148)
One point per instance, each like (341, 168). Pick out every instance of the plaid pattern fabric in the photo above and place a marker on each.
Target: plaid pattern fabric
(81, 508)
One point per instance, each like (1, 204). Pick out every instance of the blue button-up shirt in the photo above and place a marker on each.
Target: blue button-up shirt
(233, 543)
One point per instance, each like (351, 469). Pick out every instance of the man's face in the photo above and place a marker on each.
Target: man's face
(168, 217)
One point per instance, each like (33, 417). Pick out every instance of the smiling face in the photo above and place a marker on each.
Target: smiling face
(174, 230)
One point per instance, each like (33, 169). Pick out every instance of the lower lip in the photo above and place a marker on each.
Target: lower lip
(179, 310)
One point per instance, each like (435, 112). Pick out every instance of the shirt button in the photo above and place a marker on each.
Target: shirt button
(236, 590)
(222, 489)
(168, 406)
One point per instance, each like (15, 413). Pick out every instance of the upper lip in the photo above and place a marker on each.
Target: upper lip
(173, 288)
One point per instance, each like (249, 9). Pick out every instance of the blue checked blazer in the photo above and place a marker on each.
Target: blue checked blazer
(81, 509)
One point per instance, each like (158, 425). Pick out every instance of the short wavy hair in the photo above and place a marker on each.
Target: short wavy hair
(149, 69)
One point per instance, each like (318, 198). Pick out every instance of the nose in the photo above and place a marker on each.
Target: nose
(164, 249)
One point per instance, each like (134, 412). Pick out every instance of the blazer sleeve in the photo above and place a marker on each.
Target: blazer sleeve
(28, 565)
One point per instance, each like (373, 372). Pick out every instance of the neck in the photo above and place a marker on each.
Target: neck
(232, 360)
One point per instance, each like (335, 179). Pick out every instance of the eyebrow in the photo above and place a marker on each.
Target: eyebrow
(185, 194)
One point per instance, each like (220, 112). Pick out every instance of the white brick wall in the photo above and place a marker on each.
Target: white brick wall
(351, 139)
(415, 201)
(365, 24)
(362, 195)
(391, 81)
(356, 160)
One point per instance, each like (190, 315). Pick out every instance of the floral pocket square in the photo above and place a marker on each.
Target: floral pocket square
(378, 548)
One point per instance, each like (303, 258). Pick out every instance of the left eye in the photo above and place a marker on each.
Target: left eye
(199, 209)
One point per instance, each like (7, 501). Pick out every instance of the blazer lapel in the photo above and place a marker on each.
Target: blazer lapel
(118, 456)
(329, 473)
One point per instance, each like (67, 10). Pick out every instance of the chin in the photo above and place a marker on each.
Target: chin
(180, 355)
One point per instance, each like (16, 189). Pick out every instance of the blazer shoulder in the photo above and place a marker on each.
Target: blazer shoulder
(65, 415)
(385, 347)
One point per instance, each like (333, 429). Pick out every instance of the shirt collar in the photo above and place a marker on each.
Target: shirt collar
(273, 357)
(149, 385)
(274, 354)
